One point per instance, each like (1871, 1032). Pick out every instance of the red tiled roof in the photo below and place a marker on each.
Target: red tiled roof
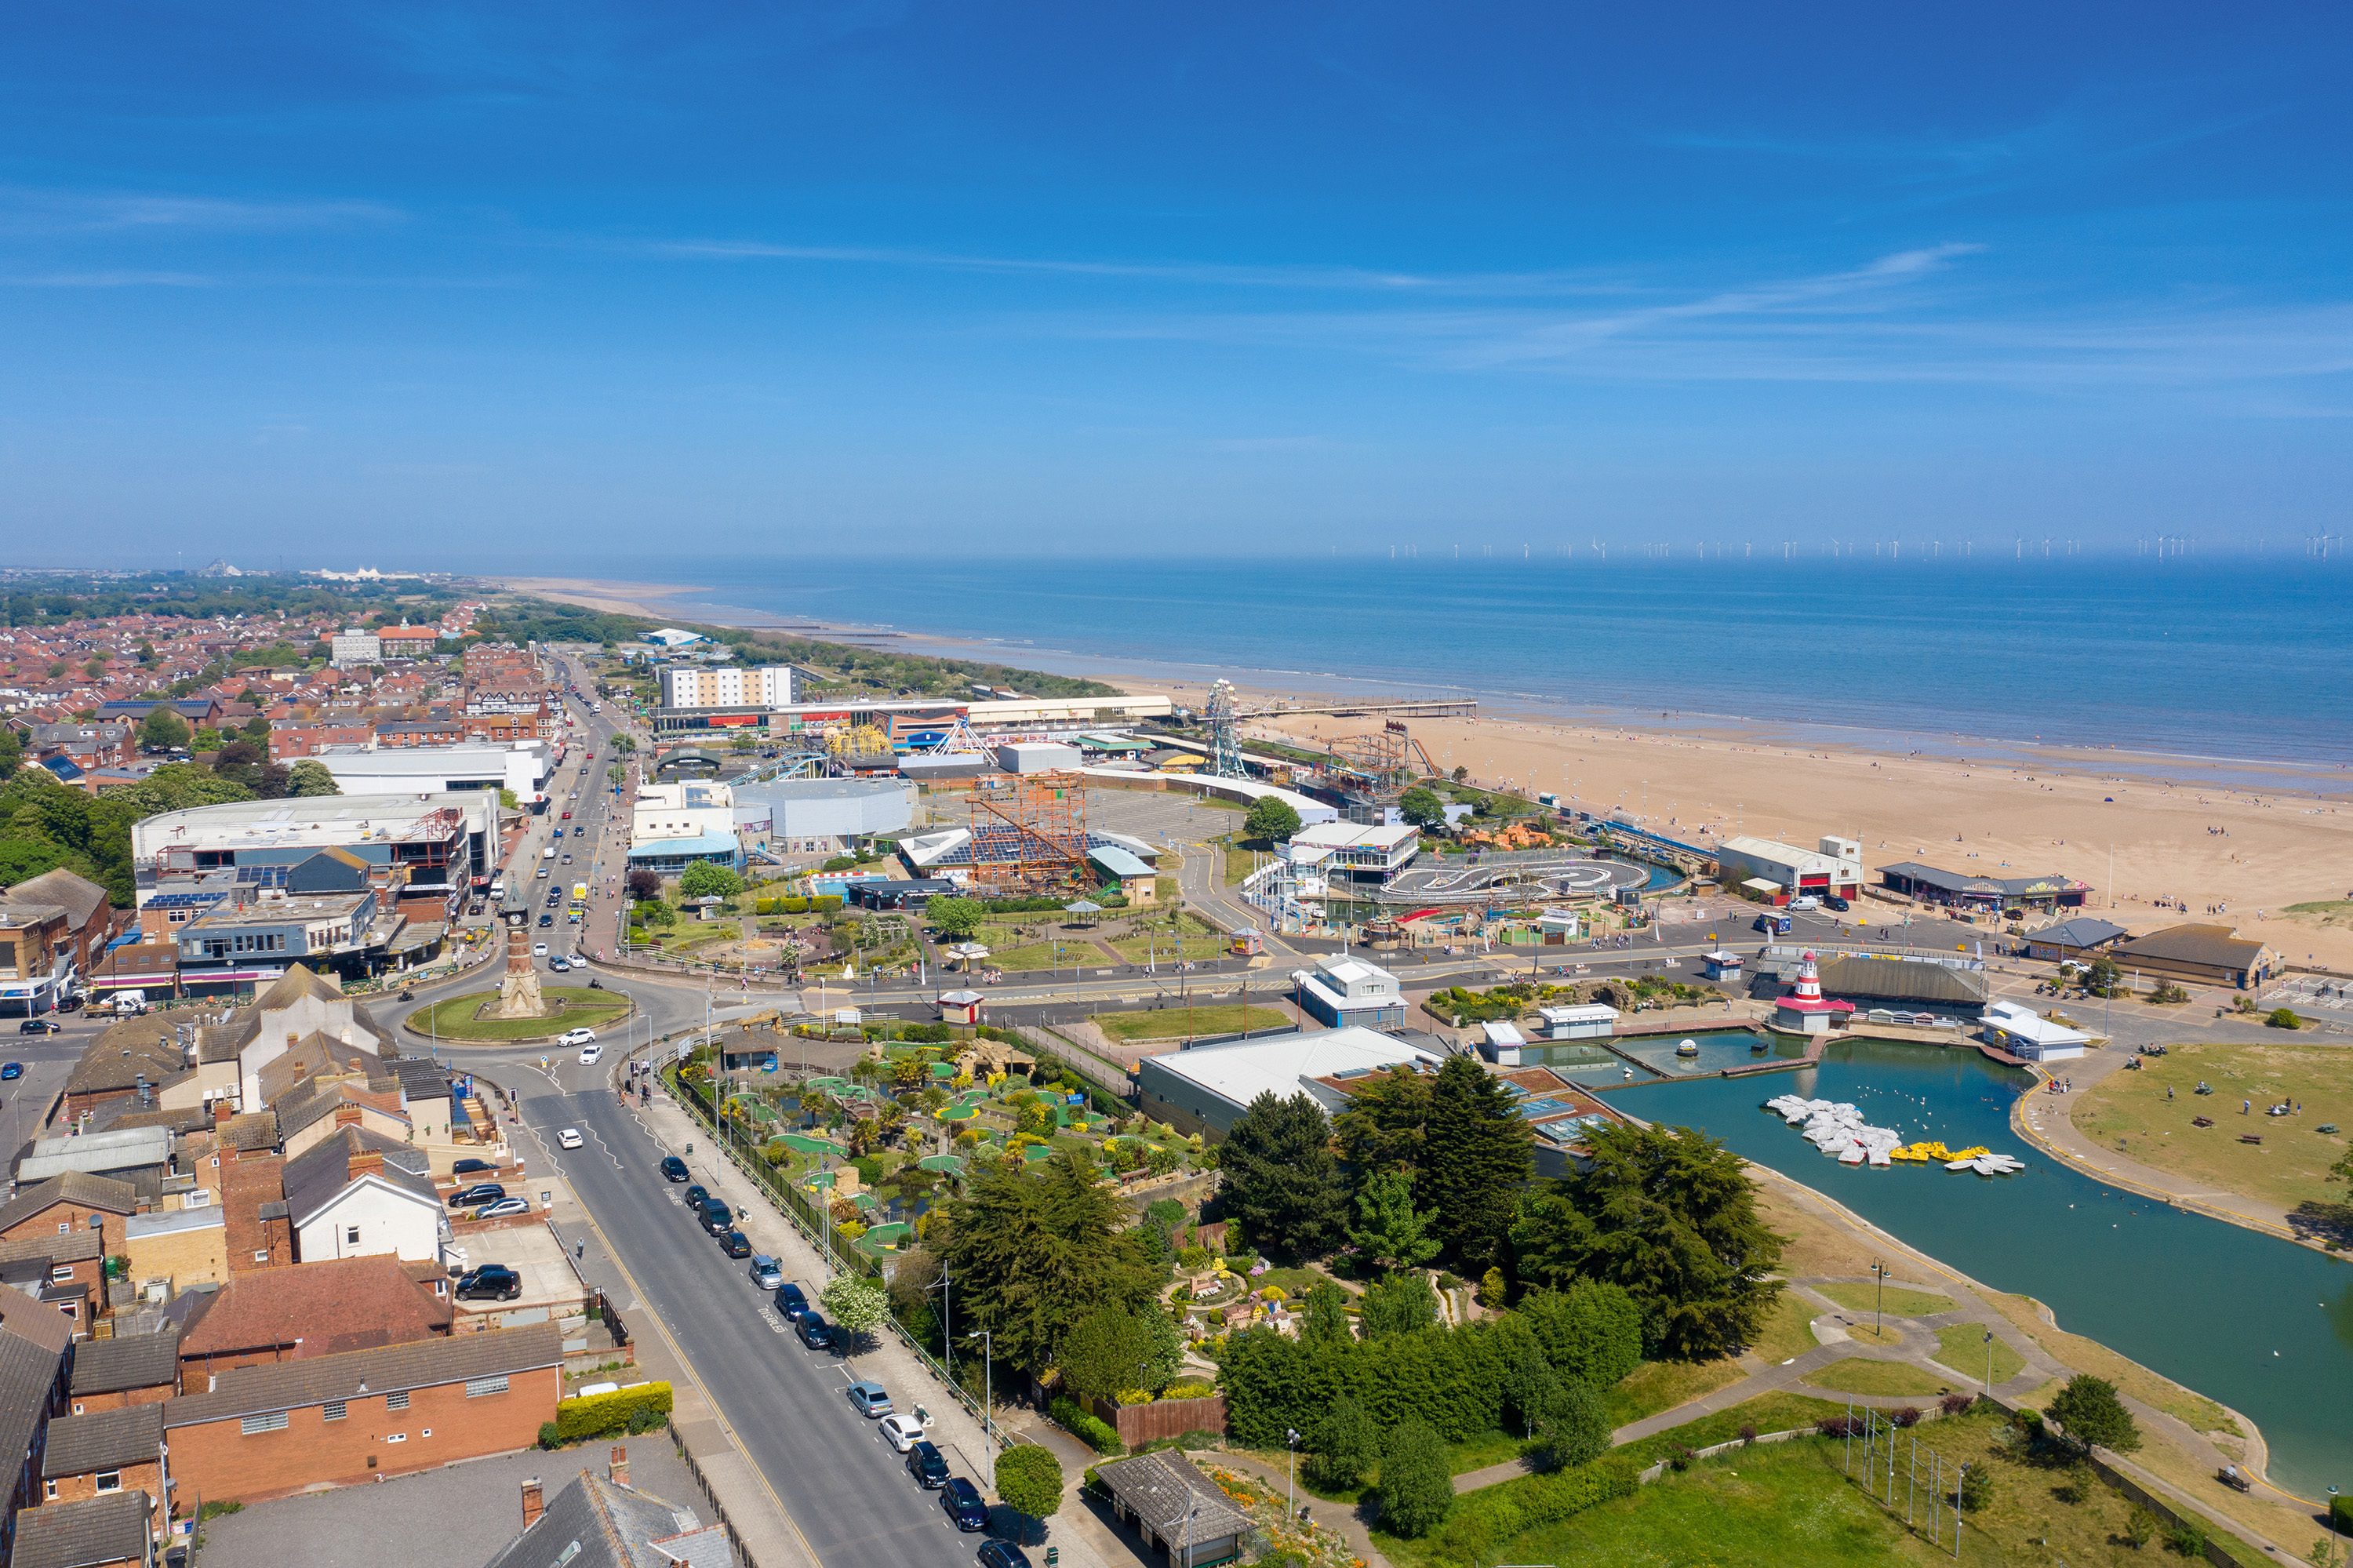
(318, 1309)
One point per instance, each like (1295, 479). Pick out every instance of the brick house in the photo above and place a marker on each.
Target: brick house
(106, 1451)
(144, 1051)
(130, 1368)
(34, 1346)
(177, 1248)
(112, 1531)
(75, 1259)
(312, 1309)
(64, 1204)
(253, 1207)
(268, 1431)
(604, 1522)
(89, 920)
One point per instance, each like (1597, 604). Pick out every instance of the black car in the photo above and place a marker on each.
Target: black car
(814, 1331)
(716, 1217)
(964, 1504)
(479, 1192)
(547, 920)
(474, 1168)
(923, 1463)
(1002, 1554)
(696, 1195)
(736, 1244)
(490, 1282)
(673, 1169)
(40, 1026)
(1833, 901)
(791, 1302)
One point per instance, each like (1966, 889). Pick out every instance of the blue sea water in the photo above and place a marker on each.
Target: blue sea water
(2235, 659)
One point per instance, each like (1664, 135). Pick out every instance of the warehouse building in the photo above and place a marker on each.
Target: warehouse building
(1835, 869)
(1207, 1088)
(822, 816)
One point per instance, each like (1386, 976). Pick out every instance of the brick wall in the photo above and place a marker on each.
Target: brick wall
(145, 1477)
(184, 1258)
(76, 1220)
(219, 1462)
(121, 1398)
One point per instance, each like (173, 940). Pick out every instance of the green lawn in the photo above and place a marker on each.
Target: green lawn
(1962, 1347)
(1474, 1453)
(1786, 1333)
(1901, 1302)
(582, 1009)
(1661, 1385)
(1138, 949)
(1857, 1375)
(1163, 1022)
(1780, 1410)
(1784, 1503)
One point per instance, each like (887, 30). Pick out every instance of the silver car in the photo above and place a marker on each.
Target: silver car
(766, 1273)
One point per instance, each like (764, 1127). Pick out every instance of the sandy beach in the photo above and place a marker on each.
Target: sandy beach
(2158, 847)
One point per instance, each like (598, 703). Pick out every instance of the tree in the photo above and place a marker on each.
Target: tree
(1270, 817)
(162, 729)
(1326, 1318)
(1029, 1480)
(1475, 1158)
(1423, 809)
(705, 880)
(1394, 1236)
(1591, 1332)
(1417, 1482)
(12, 750)
(307, 777)
(1032, 1255)
(955, 918)
(1111, 1348)
(1346, 1446)
(1531, 1387)
(1667, 1215)
(858, 1307)
(1280, 1180)
(1403, 1305)
(1383, 1124)
(644, 885)
(1460, 774)
(2090, 1412)
(1574, 1426)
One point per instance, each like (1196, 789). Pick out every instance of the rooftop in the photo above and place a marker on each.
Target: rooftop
(126, 1361)
(1240, 1071)
(319, 1308)
(285, 1385)
(110, 1528)
(103, 1440)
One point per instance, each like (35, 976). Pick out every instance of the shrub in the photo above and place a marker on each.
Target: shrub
(1094, 1432)
(1907, 1416)
(1748, 1435)
(2283, 1018)
(1955, 1403)
(1188, 1391)
(549, 1435)
(1838, 1426)
(1193, 1258)
(598, 1414)
(1679, 1458)
(1976, 1488)
(1131, 1396)
(1417, 1484)
(2188, 1538)
(2140, 1527)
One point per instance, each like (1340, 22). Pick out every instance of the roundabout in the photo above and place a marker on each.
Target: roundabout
(466, 1020)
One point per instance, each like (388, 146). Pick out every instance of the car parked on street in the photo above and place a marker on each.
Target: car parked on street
(716, 1217)
(791, 1302)
(473, 1168)
(901, 1432)
(736, 1244)
(923, 1463)
(765, 1273)
(815, 1333)
(869, 1398)
(492, 1282)
(673, 1169)
(696, 1195)
(479, 1192)
(964, 1504)
(1002, 1554)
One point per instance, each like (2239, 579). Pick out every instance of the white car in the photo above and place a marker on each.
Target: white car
(591, 1055)
(901, 1432)
(568, 1138)
(539, 949)
(576, 1037)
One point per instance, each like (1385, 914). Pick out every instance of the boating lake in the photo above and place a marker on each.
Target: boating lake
(2261, 1324)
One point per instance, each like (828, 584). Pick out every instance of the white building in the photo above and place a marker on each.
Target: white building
(671, 637)
(1343, 990)
(360, 1193)
(676, 824)
(727, 686)
(801, 816)
(1208, 1088)
(521, 766)
(1835, 868)
(2023, 1032)
(353, 646)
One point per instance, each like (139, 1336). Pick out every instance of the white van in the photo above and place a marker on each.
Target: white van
(547, 853)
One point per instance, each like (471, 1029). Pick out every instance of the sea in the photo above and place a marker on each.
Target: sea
(2186, 665)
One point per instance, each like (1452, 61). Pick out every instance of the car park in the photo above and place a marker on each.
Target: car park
(901, 1432)
(502, 1208)
(736, 1244)
(568, 1138)
(1002, 1554)
(492, 1282)
(923, 1463)
(815, 1333)
(765, 1272)
(473, 1166)
(869, 1398)
(791, 1302)
(479, 1192)
(964, 1504)
(673, 1169)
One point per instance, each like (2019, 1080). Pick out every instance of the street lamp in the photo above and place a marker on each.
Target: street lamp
(1291, 1436)
(1989, 1377)
(987, 1397)
(1879, 1272)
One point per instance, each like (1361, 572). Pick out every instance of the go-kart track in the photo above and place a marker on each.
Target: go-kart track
(1541, 873)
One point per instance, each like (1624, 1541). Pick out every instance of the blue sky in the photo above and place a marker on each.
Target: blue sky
(565, 286)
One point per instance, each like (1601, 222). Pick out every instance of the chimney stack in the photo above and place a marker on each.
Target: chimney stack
(220, 1110)
(531, 1507)
(616, 1468)
(347, 1116)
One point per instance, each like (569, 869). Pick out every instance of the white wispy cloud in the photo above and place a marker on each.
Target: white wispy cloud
(28, 210)
(118, 278)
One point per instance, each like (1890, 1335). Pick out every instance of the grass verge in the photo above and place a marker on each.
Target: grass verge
(1961, 1346)
(1857, 1375)
(1166, 1021)
(580, 1008)
(1655, 1386)
(1901, 1302)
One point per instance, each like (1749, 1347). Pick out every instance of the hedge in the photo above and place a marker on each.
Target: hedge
(1096, 1433)
(1485, 1518)
(599, 1413)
